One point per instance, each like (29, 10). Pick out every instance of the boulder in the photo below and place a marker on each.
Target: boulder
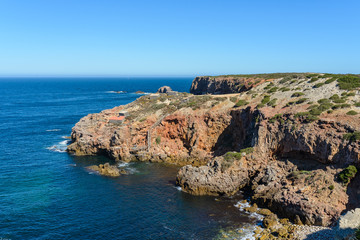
(107, 170)
(164, 89)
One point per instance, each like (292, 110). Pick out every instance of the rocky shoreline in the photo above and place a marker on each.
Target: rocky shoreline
(291, 140)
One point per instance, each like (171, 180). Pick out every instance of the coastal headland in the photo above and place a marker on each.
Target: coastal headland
(290, 140)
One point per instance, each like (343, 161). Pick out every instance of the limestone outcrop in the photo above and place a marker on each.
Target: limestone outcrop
(284, 141)
(219, 85)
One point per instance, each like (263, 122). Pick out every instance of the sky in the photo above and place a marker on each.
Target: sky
(177, 38)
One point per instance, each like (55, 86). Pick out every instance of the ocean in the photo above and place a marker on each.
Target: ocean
(46, 193)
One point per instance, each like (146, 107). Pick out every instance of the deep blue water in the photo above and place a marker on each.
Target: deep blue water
(46, 193)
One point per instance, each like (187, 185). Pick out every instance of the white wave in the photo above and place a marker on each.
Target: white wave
(178, 188)
(244, 205)
(53, 130)
(59, 147)
(54, 148)
(131, 170)
(247, 232)
(123, 164)
(116, 92)
(64, 143)
(66, 137)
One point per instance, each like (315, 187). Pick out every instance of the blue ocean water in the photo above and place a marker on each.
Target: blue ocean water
(46, 193)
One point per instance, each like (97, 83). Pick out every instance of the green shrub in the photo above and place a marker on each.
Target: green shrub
(330, 80)
(349, 82)
(158, 140)
(319, 85)
(284, 89)
(311, 118)
(260, 105)
(266, 99)
(270, 85)
(357, 104)
(347, 174)
(290, 103)
(314, 79)
(352, 136)
(302, 114)
(323, 101)
(297, 94)
(275, 118)
(331, 187)
(273, 89)
(272, 103)
(307, 116)
(345, 105)
(357, 233)
(285, 79)
(247, 150)
(230, 157)
(241, 102)
(339, 101)
(351, 94)
(142, 119)
(337, 106)
(315, 112)
(233, 99)
(352, 112)
(301, 100)
(335, 97)
(312, 75)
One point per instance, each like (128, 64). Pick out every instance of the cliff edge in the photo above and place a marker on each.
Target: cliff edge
(290, 140)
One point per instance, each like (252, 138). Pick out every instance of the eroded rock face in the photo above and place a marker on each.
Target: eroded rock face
(107, 170)
(221, 85)
(210, 180)
(186, 136)
(292, 171)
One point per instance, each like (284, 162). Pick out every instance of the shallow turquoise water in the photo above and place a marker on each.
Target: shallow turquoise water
(46, 193)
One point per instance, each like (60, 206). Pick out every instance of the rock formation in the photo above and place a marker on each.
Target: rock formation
(107, 170)
(164, 89)
(284, 139)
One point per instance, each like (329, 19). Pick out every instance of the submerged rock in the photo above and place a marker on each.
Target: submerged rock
(107, 170)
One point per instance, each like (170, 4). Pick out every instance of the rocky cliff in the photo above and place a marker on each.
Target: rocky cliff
(287, 140)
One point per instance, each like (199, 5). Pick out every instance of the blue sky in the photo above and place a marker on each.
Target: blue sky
(115, 37)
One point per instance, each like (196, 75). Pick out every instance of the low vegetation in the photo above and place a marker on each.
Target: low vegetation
(241, 102)
(352, 112)
(330, 80)
(355, 136)
(230, 157)
(277, 117)
(266, 99)
(314, 79)
(347, 174)
(349, 82)
(319, 85)
(297, 94)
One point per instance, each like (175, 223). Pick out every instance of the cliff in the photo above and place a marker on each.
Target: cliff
(285, 138)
